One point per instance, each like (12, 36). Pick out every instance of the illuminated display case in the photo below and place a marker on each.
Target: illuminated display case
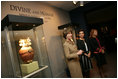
(23, 48)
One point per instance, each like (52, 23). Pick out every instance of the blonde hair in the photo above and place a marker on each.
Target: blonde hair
(92, 32)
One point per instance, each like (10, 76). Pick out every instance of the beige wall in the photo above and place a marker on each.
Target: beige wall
(53, 17)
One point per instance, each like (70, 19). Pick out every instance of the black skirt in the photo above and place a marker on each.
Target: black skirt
(100, 58)
(85, 63)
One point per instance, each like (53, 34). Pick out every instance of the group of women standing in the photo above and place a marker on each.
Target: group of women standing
(78, 56)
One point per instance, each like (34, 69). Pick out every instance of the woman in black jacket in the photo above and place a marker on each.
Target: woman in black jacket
(97, 50)
(85, 61)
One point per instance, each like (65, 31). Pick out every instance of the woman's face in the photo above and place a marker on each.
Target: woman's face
(95, 33)
(69, 35)
(81, 34)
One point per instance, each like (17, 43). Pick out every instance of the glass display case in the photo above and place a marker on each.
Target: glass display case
(23, 48)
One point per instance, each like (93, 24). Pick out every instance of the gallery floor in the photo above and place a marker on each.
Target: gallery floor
(110, 69)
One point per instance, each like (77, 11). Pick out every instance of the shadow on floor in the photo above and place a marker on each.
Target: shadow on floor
(109, 70)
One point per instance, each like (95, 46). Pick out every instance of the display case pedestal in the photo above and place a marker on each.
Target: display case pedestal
(28, 68)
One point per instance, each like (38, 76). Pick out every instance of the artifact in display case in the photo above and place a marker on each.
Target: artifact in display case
(26, 53)
(23, 50)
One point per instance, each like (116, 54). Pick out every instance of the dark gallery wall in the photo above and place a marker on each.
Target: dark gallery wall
(101, 15)
(94, 12)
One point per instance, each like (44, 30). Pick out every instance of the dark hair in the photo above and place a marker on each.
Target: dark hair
(81, 30)
(65, 34)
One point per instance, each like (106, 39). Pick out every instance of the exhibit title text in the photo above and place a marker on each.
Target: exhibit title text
(29, 11)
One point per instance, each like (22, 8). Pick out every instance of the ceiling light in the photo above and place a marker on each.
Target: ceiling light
(34, 25)
(65, 28)
(75, 2)
(17, 24)
(81, 3)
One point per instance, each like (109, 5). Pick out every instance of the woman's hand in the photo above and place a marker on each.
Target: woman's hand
(86, 54)
(89, 54)
(103, 51)
(100, 50)
(79, 52)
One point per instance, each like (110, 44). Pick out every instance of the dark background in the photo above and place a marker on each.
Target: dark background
(101, 15)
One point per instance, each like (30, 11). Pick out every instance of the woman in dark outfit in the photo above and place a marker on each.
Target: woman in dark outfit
(85, 60)
(97, 50)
